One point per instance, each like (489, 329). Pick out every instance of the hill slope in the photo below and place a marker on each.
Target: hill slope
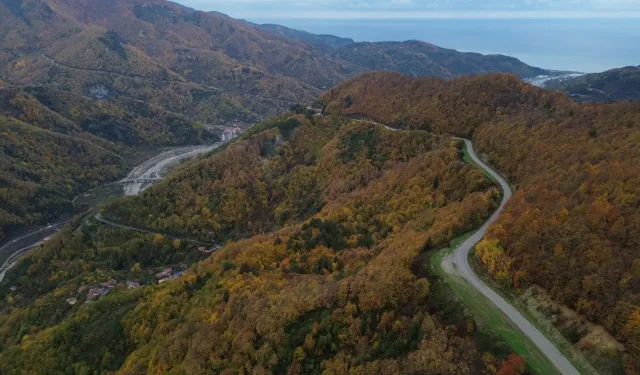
(332, 216)
(424, 59)
(55, 145)
(205, 65)
(614, 85)
(573, 225)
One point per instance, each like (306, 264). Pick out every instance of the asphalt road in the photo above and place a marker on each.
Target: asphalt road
(13, 259)
(12, 250)
(458, 264)
(151, 168)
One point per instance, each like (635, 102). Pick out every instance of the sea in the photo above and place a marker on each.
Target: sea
(580, 45)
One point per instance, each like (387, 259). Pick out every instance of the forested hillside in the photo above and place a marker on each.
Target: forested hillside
(205, 65)
(147, 73)
(573, 226)
(54, 145)
(424, 59)
(331, 218)
(613, 85)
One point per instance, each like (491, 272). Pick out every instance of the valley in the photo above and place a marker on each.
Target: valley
(154, 169)
(186, 192)
(140, 178)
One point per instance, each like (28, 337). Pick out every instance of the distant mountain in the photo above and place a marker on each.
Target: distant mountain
(613, 85)
(208, 66)
(331, 41)
(183, 7)
(424, 59)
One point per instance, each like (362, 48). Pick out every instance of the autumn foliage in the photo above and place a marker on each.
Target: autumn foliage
(573, 225)
(332, 218)
(55, 145)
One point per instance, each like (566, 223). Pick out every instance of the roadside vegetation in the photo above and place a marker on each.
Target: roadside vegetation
(573, 225)
(494, 328)
(322, 274)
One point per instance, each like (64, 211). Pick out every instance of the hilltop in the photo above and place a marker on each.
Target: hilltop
(328, 224)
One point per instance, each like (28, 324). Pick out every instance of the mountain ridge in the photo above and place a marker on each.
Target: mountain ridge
(155, 38)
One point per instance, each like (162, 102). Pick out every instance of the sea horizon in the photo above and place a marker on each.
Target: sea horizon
(582, 45)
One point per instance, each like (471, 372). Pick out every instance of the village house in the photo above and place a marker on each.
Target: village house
(171, 277)
(208, 251)
(205, 250)
(164, 274)
(109, 284)
(99, 291)
(94, 293)
(133, 284)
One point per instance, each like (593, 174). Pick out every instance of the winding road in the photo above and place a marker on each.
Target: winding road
(458, 264)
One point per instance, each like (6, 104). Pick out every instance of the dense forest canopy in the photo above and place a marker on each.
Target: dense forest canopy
(150, 73)
(573, 226)
(328, 222)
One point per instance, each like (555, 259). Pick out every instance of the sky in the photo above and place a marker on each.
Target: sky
(420, 9)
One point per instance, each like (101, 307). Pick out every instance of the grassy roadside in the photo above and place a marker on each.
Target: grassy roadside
(489, 318)
(548, 330)
(488, 315)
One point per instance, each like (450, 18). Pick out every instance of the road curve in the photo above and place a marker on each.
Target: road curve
(461, 261)
(151, 168)
(13, 259)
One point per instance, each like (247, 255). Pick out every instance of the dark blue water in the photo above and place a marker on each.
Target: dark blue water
(586, 45)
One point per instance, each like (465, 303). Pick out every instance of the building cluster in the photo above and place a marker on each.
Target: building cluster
(230, 133)
(168, 274)
(96, 291)
(208, 251)
(101, 290)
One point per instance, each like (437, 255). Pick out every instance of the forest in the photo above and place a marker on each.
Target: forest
(573, 225)
(55, 145)
(327, 224)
